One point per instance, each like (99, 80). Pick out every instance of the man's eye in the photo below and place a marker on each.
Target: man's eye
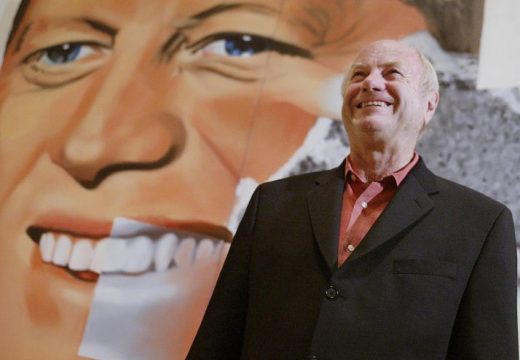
(393, 73)
(64, 53)
(358, 75)
(245, 45)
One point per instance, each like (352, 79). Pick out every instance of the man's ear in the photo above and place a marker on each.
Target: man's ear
(431, 106)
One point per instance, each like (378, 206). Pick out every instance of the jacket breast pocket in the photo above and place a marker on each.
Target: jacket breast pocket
(426, 267)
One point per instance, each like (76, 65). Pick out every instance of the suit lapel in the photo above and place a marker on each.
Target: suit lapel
(324, 202)
(410, 203)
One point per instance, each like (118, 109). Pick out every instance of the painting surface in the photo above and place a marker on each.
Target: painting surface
(132, 134)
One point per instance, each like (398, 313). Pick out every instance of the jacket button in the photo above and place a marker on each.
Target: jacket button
(331, 293)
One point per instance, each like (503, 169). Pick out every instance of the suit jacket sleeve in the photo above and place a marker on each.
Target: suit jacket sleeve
(486, 325)
(221, 333)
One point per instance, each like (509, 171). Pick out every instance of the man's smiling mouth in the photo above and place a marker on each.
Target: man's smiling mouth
(154, 251)
(377, 103)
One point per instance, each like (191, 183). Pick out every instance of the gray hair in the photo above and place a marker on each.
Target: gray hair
(430, 82)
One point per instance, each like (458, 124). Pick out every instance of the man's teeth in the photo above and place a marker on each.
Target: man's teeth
(373, 103)
(133, 255)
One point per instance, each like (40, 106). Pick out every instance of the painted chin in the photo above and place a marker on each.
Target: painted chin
(61, 285)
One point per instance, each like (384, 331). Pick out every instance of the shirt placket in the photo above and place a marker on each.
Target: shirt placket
(362, 207)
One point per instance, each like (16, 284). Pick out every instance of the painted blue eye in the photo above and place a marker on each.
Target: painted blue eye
(245, 45)
(237, 45)
(65, 53)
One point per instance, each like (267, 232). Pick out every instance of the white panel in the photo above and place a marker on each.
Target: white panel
(500, 45)
(7, 12)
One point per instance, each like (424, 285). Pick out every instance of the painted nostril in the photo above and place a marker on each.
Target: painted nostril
(143, 145)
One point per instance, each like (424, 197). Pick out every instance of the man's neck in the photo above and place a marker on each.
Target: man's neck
(376, 165)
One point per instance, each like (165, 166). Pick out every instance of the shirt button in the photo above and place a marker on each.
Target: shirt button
(364, 205)
(352, 177)
(350, 247)
(331, 293)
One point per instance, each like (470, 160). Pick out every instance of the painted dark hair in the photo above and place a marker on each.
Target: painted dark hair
(17, 21)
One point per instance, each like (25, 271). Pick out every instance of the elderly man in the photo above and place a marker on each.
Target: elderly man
(376, 259)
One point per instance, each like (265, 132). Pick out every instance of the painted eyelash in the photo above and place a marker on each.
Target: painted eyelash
(38, 53)
(271, 44)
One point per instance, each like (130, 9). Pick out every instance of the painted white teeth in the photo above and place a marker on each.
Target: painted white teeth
(47, 247)
(62, 251)
(129, 255)
(205, 249)
(184, 255)
(82, 254)
(164, 251)
(115, 257)
(100, 254)
(139, 252)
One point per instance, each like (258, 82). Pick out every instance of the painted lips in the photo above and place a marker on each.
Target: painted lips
(86, 258)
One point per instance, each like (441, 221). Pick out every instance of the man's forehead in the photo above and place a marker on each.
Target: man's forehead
(385, 64)
(388, 53)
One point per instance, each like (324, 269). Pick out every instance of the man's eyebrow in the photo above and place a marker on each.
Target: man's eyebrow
(383, 65)
(391, 64)
(357, 65)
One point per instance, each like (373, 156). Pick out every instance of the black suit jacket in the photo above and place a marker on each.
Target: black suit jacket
(434, 278)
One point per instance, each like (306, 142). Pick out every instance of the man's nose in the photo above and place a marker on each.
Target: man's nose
(118, 126)
(373, 82)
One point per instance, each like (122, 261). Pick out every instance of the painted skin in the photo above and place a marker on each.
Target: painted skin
(152, 111)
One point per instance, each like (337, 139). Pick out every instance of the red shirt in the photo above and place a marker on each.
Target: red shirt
(363, 203)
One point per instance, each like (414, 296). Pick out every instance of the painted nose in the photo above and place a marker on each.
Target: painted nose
(119, 126)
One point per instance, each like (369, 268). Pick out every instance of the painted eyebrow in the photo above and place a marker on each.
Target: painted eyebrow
(93, 23)
(174, 42)
(101, 26)
(258, 8)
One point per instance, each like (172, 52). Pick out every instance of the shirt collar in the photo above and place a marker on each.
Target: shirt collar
(397, 177)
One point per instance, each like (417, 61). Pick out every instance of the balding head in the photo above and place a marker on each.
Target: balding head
(390, 95)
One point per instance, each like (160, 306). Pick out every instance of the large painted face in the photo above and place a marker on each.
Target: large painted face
(150, 110)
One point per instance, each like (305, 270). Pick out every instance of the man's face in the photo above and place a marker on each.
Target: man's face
(384, 99)
(148, 110)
